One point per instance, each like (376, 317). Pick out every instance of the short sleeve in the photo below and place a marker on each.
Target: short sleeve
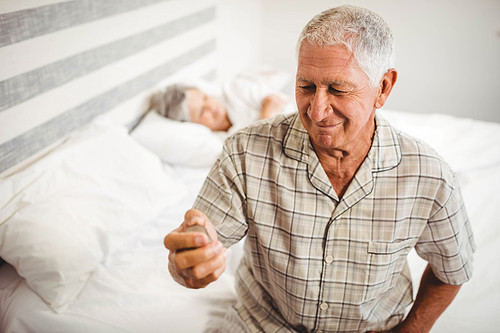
(222, 198)
(447, 242)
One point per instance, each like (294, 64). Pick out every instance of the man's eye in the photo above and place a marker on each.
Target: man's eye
(308, 88)
(332, 90)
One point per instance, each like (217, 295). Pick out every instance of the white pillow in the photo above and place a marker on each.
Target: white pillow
(179, 143)
(64, 216)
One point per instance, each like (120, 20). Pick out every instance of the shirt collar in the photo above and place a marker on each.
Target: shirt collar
(384, 154)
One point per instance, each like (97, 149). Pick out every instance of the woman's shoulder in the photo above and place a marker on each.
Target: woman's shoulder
(261, 134)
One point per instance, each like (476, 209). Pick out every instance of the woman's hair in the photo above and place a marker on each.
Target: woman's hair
(172, 102)
(362, 31)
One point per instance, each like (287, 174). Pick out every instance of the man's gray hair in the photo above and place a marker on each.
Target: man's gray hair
(364, 32)
(172, 103)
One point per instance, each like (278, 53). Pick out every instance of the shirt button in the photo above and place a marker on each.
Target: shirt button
(329, 259)
(323, 306)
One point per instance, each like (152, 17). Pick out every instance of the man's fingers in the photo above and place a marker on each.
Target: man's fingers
(201, 275)
(206, 280)
(194, 216)
(196, 256)
(176, 240)
(203, 270)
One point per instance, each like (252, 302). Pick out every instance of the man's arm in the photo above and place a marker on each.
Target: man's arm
(433, 298)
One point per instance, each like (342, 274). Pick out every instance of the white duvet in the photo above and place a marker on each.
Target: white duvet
(126, 287)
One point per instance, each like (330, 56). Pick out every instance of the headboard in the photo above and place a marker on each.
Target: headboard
(65, 62)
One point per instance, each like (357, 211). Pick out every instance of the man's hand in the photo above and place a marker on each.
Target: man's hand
(195, 259)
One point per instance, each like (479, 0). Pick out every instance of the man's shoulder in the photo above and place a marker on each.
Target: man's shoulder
(409, 145)
(410, 155)
(422, 155)
(413, 146)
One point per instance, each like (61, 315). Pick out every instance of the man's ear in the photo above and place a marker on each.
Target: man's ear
(385, 87)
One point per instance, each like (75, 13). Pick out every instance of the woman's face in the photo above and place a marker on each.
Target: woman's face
(207, 110)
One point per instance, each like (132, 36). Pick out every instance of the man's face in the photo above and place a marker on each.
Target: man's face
(207, 110)
(334, 97)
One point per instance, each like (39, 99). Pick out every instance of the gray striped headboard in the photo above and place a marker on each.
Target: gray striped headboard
(64, 62)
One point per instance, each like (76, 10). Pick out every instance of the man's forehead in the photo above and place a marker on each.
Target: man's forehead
(339, 51)
(329, 65)
(333, 78)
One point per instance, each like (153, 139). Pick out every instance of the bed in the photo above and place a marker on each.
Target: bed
(85, 203)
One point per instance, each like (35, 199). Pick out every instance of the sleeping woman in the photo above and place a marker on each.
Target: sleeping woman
(238, 106)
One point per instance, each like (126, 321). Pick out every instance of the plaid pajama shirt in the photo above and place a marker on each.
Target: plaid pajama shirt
(314, 263)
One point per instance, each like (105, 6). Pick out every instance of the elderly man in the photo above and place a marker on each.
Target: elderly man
(331, 201)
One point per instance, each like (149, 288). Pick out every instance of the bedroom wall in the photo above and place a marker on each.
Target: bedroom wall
(447, 50)
(239, 40)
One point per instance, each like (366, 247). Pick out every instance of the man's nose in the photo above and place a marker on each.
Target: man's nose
(319, 107)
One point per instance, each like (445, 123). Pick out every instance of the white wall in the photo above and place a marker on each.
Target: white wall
(448, 51)
(239, 43)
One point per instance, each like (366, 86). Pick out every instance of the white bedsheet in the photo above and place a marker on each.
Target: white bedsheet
(133, 291)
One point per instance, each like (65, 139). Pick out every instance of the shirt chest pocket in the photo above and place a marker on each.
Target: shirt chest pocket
(385, 263)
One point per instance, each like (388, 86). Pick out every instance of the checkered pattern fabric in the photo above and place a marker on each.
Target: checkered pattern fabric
(316, 263)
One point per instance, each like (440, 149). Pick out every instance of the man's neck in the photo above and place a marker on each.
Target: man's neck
(342, 164)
